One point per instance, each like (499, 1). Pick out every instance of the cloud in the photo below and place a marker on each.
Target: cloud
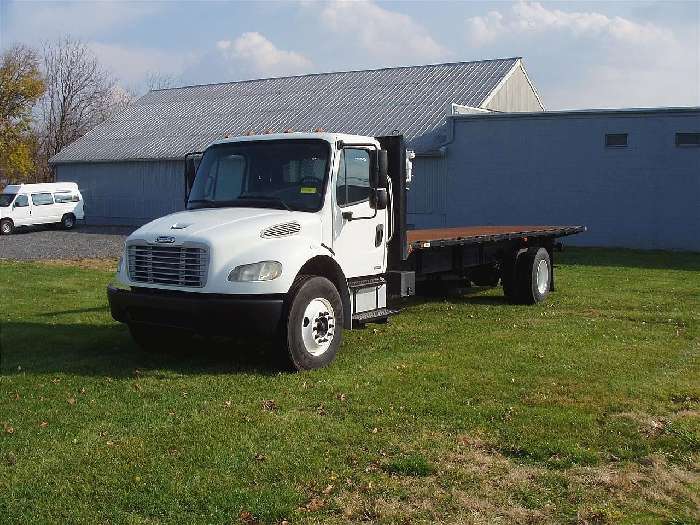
(253, 54)
(534, 18)
(396, 37)
(590, 59)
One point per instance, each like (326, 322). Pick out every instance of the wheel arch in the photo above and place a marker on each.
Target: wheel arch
(324, 266)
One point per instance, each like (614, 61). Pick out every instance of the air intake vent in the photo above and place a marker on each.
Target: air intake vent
(281, 230)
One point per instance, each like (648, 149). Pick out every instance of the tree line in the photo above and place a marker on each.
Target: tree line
(51, 97)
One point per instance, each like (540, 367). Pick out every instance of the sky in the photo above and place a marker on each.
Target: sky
(578, 54)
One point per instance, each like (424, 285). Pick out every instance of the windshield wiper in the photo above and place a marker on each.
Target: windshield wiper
(256, 197)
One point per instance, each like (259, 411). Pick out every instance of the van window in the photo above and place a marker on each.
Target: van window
(352, 185)
(22, 201)
(6, 199)
(41, 199)
(64, 196)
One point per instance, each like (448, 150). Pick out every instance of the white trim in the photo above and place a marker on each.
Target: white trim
(458, 109)
(501, 83)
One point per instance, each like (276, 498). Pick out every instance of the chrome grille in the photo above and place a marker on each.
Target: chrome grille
(173, 265)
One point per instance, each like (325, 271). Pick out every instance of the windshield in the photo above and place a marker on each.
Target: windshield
(285, 174)
(6, 199)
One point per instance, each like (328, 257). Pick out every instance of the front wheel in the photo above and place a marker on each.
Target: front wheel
(6, 227)
(314, 326)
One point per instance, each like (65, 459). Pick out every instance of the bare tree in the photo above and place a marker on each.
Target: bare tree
(80, 94)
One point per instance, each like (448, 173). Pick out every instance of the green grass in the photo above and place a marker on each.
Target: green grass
(582, 409)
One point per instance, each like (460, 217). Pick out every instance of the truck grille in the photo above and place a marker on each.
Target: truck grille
(173, 265)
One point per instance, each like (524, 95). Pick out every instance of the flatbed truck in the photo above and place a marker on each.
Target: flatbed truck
(302, 235)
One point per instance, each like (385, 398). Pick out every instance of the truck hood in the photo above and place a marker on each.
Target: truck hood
(211, 224)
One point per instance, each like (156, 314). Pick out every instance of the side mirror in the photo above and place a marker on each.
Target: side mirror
(382, 169)
(379, 199)
(192, 161)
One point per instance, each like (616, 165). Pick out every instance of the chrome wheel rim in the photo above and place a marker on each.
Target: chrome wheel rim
(318, 326)
(68, 222)
(542, 277)
(5, 228)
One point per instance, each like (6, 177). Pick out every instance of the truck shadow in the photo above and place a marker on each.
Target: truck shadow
(107, 350)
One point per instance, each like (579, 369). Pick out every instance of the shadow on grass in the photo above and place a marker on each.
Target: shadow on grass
(623, 258)
(107, 350)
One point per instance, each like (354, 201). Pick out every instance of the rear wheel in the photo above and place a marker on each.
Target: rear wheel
(68, 221)
(314, 326)
(7, 227)
(533, 276)
(157, 338)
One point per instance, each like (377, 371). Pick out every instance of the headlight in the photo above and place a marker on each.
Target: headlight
(261, 271)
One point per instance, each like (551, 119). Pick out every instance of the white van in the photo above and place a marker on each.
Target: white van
(29, 204)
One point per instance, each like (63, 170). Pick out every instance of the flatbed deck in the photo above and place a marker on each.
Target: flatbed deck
(435, 237)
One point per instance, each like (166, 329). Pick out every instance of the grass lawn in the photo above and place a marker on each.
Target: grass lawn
(468, 410)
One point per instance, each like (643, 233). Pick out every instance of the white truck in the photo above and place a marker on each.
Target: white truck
(31, 204)
(302, 235)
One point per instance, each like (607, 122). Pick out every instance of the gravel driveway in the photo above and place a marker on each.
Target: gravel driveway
(84, 242)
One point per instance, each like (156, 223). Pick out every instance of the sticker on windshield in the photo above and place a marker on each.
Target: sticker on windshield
(306, 189)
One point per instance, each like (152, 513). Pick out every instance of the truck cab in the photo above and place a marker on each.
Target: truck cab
(284, 233)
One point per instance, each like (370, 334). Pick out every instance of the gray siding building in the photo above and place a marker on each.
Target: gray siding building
(486, 151)
(631, 176)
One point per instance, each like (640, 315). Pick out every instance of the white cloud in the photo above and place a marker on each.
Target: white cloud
(394, 36)
(595, 60)
(254, 55)
(533, 18)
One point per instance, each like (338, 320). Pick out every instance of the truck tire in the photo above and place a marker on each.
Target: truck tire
(68, 221)
(158, 339)
(313, 329)
(508, 277)
(533, 276)
(7, 227)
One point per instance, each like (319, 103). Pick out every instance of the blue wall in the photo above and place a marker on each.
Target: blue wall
(555, 169)
(127, 193)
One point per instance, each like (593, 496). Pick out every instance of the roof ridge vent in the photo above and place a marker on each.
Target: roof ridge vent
(283, 229)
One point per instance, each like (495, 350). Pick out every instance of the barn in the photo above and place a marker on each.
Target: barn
(130, 168)
(486, 150)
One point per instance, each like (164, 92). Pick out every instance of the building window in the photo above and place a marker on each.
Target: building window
(688, 139)
(616, 140)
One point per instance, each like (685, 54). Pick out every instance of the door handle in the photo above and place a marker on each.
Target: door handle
(378, 235)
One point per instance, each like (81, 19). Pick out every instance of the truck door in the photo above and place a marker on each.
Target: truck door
(358, 230)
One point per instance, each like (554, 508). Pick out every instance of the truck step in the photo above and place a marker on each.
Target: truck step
(380, 315)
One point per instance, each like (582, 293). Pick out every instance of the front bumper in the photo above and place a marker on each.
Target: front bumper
(205, 314)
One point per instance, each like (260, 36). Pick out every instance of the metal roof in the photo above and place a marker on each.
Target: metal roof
(413, 101)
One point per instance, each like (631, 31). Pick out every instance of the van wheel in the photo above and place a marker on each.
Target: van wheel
(7, 227)
(158, 339)
(313, 329)
(533, 274)
(68, 221)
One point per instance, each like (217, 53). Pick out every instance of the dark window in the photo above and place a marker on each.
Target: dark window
(352, 185)
(22, 201)
(688, 139)
(6, 199)
(64, 196)
(616, 140)
(41, 199)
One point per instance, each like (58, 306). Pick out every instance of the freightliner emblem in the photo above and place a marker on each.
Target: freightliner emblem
(165, 239)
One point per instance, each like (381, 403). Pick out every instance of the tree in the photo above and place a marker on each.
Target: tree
(21, 85)
(158, 80)
(80, 94)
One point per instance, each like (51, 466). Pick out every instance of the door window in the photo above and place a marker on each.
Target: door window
(22, 201)
(41, 199)
(352, 184)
